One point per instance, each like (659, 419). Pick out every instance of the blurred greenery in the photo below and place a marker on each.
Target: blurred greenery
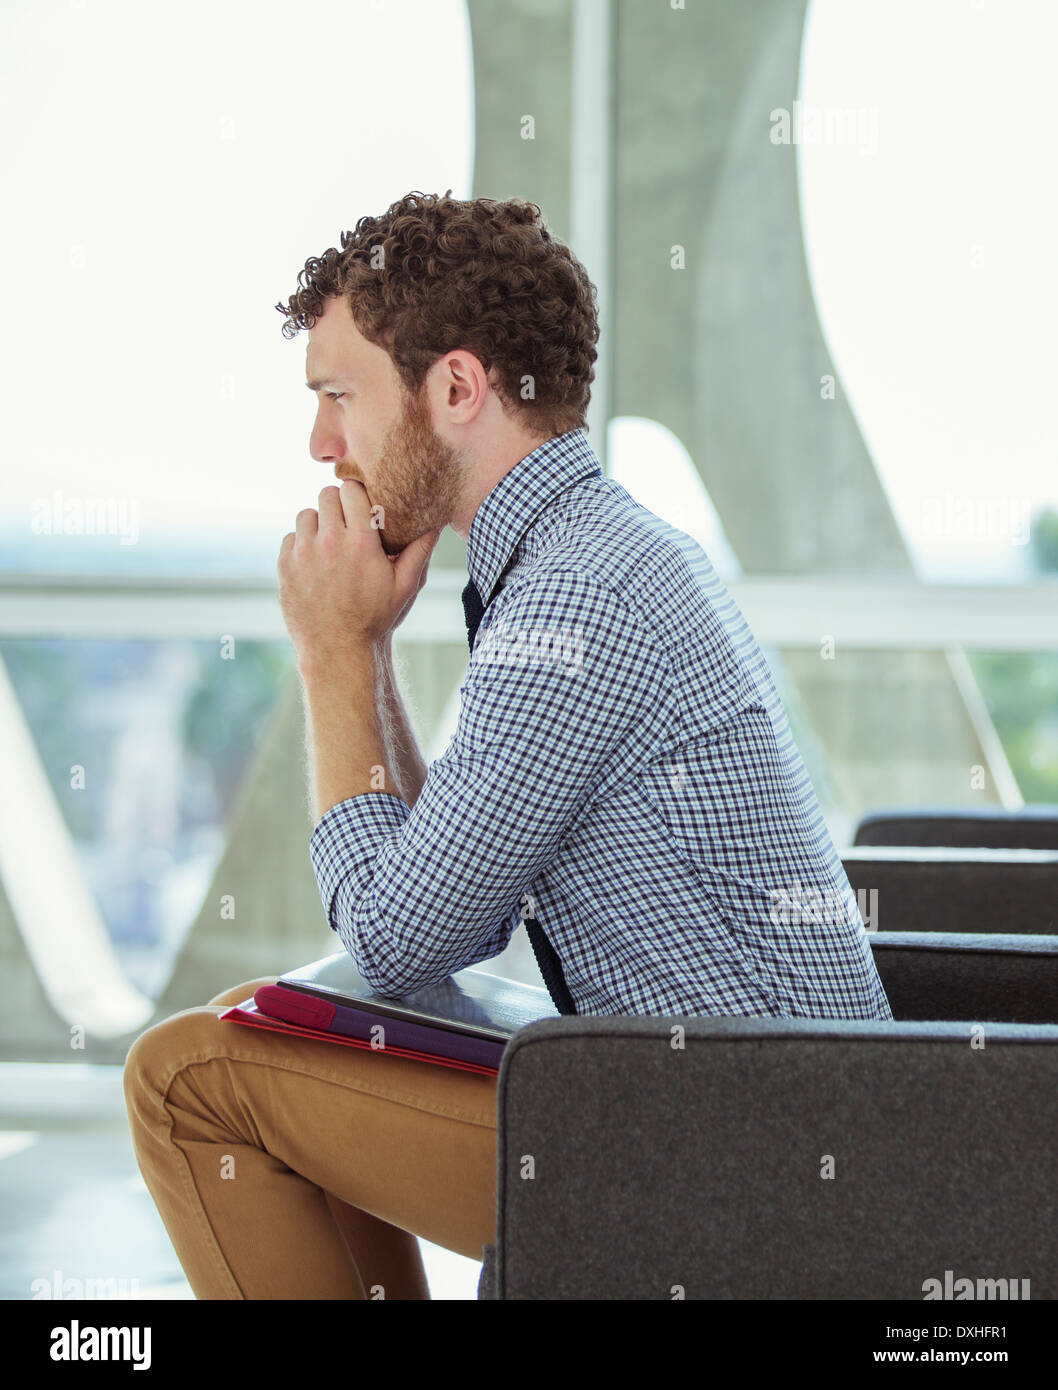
(226, 715)
(75, 694)
(1021, 694)
(166, 732)
(1043, 540)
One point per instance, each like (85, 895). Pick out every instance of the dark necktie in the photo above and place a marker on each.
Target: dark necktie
(546, 959)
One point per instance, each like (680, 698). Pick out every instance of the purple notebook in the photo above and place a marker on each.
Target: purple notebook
(294, 1007)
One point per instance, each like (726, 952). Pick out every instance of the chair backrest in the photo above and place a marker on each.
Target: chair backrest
(961, 827)
(959, 975)
(955, 890)
(745, 1158)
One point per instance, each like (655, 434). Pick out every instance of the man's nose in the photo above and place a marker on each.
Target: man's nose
(325, 447)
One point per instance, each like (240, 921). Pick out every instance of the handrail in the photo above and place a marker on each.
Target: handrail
(858, 612)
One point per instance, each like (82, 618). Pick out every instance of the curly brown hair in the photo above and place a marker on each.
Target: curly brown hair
(481, 275)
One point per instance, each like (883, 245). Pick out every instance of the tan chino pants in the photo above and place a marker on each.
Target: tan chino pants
(285, 1167)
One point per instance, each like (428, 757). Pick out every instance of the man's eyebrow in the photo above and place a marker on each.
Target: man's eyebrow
(321, 385)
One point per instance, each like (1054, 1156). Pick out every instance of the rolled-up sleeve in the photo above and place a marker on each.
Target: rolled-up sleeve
(560, 677)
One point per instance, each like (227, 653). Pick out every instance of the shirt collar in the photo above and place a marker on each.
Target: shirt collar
(518, 499)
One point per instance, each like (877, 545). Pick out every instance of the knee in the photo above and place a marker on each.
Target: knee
(164, 1049)
(192, 1035)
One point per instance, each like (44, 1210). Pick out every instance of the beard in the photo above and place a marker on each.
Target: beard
(418, 479)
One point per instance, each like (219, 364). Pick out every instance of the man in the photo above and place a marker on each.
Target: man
(622, 776)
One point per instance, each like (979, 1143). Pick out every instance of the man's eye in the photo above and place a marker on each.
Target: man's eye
(335, 395)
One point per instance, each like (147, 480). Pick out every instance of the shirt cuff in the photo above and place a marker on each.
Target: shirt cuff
(350, 835)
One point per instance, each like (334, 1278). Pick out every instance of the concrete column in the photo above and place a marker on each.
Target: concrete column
(728, 354)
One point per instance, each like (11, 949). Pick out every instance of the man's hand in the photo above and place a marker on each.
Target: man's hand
(338, 588)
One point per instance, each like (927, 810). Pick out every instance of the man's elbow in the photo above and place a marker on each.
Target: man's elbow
(395, 978)
(395, 984)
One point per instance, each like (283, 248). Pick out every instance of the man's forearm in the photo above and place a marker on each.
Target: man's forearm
(345, 730)
(405, 758)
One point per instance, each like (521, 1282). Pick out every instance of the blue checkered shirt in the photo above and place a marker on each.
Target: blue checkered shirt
(622, 771)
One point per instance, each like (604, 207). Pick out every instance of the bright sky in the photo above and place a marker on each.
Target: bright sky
(167, 197)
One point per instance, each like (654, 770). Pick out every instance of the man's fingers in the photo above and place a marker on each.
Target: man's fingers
(433, 538)
(414, 559)
(307, 523)
(331, 513)
(286, 544)
(355, 506)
